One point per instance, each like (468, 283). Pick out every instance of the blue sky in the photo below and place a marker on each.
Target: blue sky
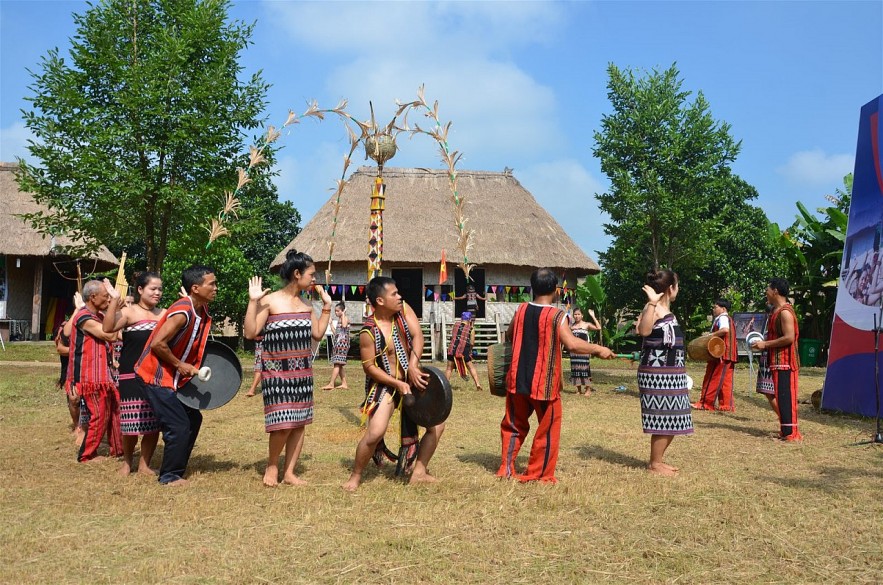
(525, 85)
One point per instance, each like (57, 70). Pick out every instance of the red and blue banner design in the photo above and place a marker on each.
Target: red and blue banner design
(849, 381)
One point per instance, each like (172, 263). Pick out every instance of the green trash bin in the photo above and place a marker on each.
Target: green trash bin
(809, 350)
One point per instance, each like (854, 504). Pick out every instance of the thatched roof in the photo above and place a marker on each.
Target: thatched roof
(17, 237)
(511, 228)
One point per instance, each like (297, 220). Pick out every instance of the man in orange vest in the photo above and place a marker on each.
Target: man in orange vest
(779, 366)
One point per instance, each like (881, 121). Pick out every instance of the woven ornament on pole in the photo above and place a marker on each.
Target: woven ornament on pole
(380, 146)
(231, 203)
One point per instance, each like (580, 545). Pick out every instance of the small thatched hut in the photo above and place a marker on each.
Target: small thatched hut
(36, 284)
(513, 236)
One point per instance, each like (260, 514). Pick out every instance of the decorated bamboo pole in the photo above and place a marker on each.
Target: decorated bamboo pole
(375, 229)
(450, 157)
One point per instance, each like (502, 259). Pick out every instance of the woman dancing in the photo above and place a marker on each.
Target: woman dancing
(289, 328)
(341, 348)
(137, 321)
(580, 369)
(662, 374)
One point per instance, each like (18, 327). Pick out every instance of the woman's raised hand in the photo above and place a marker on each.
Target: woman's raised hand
(256, 290)
(326, 298)
(111, 291)
(652, 295)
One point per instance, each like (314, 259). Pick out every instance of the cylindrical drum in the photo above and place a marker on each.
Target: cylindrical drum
(499, 359)
(706, 348)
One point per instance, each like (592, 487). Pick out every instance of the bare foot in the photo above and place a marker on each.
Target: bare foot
(177, 483)
(328, 387)
(479, 389)
(672, 467)
(352, 484)
(292, 479)
(249, 393)
(342, 387)
(94, 459)
(422, 478)
(125, 469)
(145, 470)
(271, 476)
(661, 469)
(587, 393)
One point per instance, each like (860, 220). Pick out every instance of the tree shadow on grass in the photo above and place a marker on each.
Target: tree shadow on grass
(831, 479)
(806, 412)
(739, 429)
(350, 416)
(610, 456)
(206, 463)
(372, 470)
(488, 461)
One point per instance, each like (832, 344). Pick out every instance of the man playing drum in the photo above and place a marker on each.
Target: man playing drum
(170, 359)
(390, 345)
(537, 332)
(717, 386)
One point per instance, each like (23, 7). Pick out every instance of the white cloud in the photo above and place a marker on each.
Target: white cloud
(14, 142)
(397, 28)
(384, 51)
(308, 175)
(817, 169)
(496, 109)
(566, 189)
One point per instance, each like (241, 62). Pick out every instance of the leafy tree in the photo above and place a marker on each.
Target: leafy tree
(674, 201)
(616, 324)
(265, 226)
(138, 136)
(814, 246)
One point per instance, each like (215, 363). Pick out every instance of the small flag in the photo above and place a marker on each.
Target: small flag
(443, 269)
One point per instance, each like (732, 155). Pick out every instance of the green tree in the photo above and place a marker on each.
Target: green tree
(616, 324)
(264, 226)
(138, 137)
(814, 248)
(740, 264)
(674, 201)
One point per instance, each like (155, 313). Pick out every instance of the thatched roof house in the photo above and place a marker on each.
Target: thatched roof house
(513, 235)
(30, 270)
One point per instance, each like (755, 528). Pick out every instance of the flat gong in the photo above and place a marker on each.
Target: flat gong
(224, 382)
(431, 406)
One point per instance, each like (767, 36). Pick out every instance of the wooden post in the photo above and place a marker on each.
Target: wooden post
(37, 307)
(444, 335)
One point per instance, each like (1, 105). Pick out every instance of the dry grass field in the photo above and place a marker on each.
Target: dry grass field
(745, 508)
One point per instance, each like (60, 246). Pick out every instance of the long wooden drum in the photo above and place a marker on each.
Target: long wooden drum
(499, 358)
(706, 348)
